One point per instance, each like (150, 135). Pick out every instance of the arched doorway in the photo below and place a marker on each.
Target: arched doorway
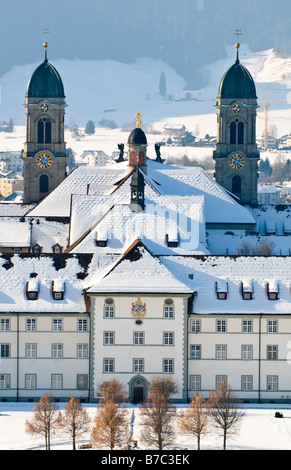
(138, 389)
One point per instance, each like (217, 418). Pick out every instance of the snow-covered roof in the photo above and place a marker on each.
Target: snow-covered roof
(162, 219)
(250, 274)
(20, 273)
(14, 233)
(58, 202)
(14, 209)
(140, 273)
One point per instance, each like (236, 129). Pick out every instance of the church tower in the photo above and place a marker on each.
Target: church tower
(44, 153)
(236, 155)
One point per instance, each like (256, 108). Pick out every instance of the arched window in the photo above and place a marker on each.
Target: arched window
(236, 185)
(132, 157)
(141, 159)
(233, 133)
(44, 131)
(237, 130)
(43, 184)
(240, 133)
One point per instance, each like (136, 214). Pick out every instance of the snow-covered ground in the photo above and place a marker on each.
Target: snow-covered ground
(259, 430)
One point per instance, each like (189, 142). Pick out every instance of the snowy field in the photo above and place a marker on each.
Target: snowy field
(259, 430)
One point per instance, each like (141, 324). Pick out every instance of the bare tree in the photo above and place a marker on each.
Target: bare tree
(225, 411)
(157, 415)
(110, 426)
(112, 390)
(195, 419)
(46, 419)
(75, 421)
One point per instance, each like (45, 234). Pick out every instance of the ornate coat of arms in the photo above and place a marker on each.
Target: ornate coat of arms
(138, 309)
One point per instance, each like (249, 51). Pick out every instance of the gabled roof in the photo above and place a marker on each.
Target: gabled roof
(138, 271)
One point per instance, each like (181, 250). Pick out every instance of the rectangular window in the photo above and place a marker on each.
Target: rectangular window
(272, 383)
(247, 326)
(168, 338)
(30, 381)
(108, 311)
(220, 378)
(138, 338)
(195, 326)
(82, 324)
(195, 382)
(82, 351)
(247, 382)
(57, 351)
(57, 324)
(221, 351)
(31, 324)
(82, 381)
(272, 352)
(108, 338)
(247, 351)
(4, 381)
(195, 351)
(168, 366)
(221, 326)
(30, 350)
(5, 324)
(4, 350)
(57, 381)
(272, 326)
(168, 311)
(108, 365)
(138, 366)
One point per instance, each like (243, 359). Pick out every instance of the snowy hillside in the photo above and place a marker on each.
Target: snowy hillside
(117, 91)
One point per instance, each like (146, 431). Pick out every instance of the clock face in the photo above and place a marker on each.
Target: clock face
(236, 161)
(44, 160)
(236, 108)
(44, 107)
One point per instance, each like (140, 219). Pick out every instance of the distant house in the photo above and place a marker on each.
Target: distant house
(95, 157)
(268, 194)
(175, 130)
(272, 142)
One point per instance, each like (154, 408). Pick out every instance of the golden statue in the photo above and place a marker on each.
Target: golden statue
(138, 120)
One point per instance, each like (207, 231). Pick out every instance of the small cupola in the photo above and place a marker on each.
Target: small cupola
(137, 147)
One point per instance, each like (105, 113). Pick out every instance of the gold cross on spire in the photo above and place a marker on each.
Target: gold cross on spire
(45, 31)
(237, 34)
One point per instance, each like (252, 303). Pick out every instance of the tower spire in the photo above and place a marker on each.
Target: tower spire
(45, 31)
(237, 34)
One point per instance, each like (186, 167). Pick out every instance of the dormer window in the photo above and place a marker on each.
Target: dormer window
(57, 248)
(273, 291)
(172, 240)
(32, 289)
(247, 291)
(36, 248)
(58, 289)
(221, 288)
(101, 238)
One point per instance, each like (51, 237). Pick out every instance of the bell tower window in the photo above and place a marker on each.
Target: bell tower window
(237, 130)
(44, 131)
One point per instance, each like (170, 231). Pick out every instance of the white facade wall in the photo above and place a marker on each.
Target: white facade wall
(269, 361)
(44, 366)
(153, 351)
